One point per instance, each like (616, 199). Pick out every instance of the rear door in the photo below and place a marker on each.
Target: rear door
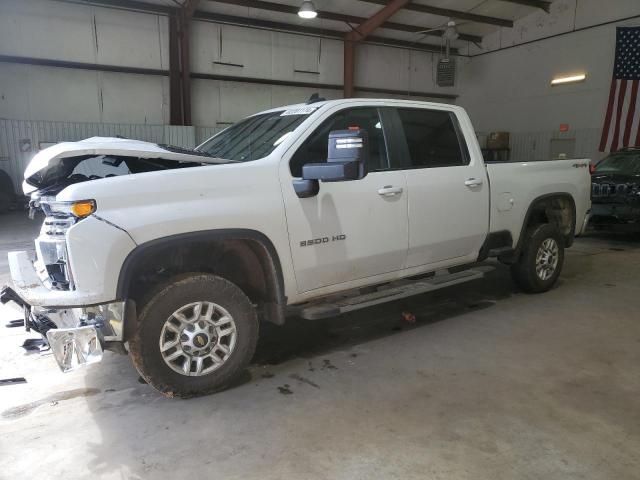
(447, 187)
(350, 230)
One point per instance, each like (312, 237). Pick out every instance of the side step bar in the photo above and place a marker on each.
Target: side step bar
(395, 291)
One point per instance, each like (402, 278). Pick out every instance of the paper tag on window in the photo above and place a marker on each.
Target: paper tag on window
(299, 111)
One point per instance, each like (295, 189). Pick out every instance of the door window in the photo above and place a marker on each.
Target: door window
(315, 148)
(433, 139)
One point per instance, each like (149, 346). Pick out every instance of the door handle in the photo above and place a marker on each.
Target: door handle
(389, 191)
(473, 182)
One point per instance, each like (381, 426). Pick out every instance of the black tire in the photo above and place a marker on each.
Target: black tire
(524, 271)
(144, 343)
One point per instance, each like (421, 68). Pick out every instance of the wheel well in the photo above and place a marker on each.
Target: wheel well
(246, 262)
(559, 210)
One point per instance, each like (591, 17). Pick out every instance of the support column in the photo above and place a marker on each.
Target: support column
(175, 89)
(349, 67)
(185, 69)
(358, 34)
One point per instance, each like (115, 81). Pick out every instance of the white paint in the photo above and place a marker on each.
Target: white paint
(385, 237)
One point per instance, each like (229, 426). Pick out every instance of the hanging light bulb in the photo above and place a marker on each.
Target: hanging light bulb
(451, 32)
(307, 10)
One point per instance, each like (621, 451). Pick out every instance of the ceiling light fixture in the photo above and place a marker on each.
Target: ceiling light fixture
(307, 10)
(569, 79)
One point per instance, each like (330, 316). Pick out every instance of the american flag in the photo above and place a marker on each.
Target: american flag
(622, 121)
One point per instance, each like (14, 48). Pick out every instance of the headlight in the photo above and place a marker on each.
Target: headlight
(79, 209)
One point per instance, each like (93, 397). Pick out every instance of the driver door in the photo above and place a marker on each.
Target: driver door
(351, 230)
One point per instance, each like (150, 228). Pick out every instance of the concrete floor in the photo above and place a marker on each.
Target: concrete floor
(488, 384)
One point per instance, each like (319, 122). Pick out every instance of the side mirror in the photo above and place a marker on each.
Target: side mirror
(347, 158)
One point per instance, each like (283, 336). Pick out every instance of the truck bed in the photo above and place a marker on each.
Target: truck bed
(516, 185)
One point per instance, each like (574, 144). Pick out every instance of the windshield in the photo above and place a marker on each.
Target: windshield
(255, 137)
(624, 163)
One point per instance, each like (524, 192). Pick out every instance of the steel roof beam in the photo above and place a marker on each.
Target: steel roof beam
(546, 6)
(447, 12)
(339, 17)
(138, 6)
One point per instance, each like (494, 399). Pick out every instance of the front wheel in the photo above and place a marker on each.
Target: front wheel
(541, 260)
(194, 335)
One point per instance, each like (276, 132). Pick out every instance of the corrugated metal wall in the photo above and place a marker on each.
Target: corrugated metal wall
(536, 145)
(20, 140)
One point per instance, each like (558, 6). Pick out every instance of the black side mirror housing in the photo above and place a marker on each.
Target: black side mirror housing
(331, 172)
(306, 188)
(348, 153)
(347, 159)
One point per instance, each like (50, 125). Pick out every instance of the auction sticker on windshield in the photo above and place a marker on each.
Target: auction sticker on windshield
(298, 111)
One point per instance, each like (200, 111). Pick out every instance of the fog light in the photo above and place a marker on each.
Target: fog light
(75, 347)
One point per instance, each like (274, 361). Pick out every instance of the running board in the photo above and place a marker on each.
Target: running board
(394, 291)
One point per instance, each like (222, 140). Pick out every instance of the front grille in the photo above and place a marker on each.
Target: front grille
(57, 227)
(604, 190)
(51, 247)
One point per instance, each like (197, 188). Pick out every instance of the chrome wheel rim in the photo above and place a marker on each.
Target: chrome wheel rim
(197, 338)
(547, 259)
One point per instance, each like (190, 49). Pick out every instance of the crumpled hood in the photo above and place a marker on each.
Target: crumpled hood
(50, 158)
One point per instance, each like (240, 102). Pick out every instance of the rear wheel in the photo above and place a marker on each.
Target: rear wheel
(194, 335)
(541, 260)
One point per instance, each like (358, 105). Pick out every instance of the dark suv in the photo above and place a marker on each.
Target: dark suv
(615, 190)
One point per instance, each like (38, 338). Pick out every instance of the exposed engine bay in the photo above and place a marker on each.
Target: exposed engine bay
(84, 168)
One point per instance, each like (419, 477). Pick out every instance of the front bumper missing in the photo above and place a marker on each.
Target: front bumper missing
(75, 347)
(77, 335)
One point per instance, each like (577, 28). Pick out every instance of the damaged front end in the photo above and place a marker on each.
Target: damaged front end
(67, 292)
(76, 336)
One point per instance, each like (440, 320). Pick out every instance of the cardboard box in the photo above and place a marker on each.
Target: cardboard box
(498, 140)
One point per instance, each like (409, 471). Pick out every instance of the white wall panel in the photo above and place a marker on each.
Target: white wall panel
(84, 33)
(14, 91)
(239, 100)
(510, 89)
(422, 72)
(134, 98)
(382, 67)
(248, 47)
(46, 29)
(205, 46)
(205, 104)
(61, 94)
(130, 39)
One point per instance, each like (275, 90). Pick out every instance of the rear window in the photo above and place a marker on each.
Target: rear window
(433, 138)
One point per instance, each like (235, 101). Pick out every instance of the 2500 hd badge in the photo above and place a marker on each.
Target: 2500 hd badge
(319, 241)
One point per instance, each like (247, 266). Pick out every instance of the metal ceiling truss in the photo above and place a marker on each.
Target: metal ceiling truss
(447, 12)
(544, 5)
(138, 6)
(339, 17)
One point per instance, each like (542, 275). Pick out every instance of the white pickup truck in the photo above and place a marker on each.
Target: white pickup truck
(309, 210)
